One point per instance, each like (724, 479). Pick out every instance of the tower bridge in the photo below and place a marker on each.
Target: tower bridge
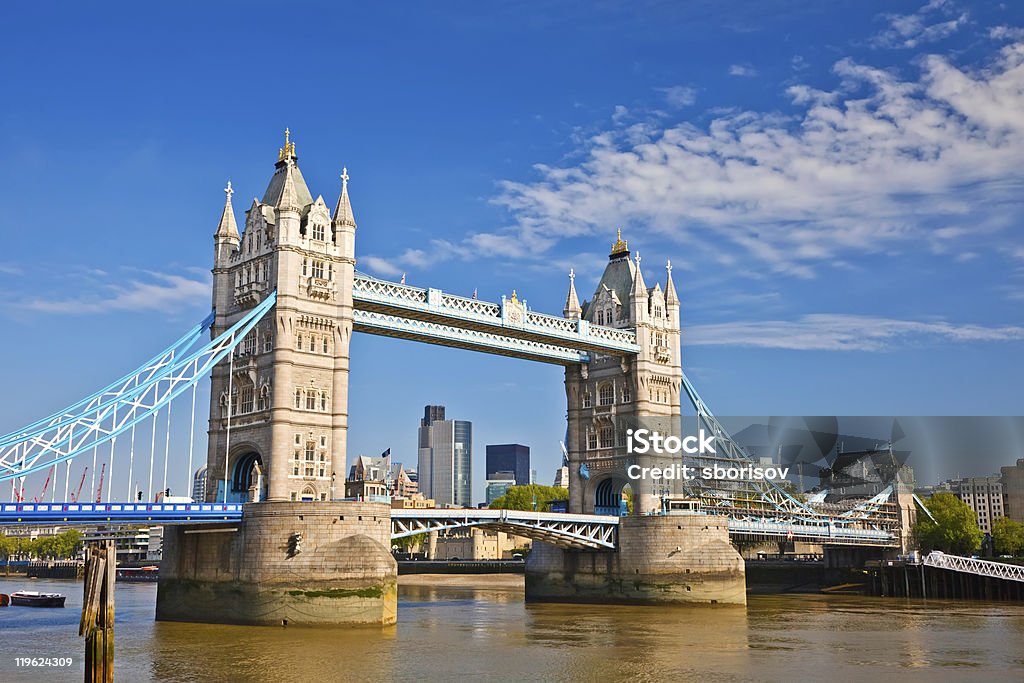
(286, 300)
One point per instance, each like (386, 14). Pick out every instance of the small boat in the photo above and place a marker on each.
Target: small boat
(139, 574)
(37, 599)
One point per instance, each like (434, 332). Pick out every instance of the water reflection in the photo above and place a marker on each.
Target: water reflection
(489, 634)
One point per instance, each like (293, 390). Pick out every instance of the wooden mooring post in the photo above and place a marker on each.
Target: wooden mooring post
(97, 624)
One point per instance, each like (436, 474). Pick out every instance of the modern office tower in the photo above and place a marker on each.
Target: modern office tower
(1012, 480)
(445, 458)
(509, 457)
(199, 485)
(496, 488)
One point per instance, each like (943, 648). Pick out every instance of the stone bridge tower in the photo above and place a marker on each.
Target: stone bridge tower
(279, 405)
(610, 395)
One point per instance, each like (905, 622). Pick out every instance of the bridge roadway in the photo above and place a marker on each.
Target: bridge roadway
(595, 532)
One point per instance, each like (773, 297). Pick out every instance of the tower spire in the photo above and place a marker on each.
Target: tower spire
(343, 211)
(670, 287)
(639, 288)
(572, 308)
(620, 247)
(227, 228)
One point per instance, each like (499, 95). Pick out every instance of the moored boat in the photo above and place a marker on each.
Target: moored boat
(37, 599)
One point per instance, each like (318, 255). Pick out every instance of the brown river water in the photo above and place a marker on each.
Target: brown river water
(479, 629)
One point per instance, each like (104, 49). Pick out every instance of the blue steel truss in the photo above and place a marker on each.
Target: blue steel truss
(101, 417)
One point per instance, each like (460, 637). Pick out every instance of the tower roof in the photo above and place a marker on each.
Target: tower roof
(287, 188)
(227, 226)
(618, 274)
(343, 211)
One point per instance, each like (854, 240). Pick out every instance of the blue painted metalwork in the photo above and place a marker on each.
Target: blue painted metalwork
(99, 423)
(70, 514)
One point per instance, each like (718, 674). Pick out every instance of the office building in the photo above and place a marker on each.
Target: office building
(445, 457)
(1012, 481)
(984, 495)
(509, 457)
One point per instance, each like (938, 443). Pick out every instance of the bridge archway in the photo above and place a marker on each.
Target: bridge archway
(611, 495)
(248, 477)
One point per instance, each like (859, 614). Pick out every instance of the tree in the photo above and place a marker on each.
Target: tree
(530, 497)
(406, 543)
(1008, 535)
(955, 529)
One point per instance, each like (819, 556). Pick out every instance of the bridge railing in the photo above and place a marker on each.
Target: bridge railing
(970, 565)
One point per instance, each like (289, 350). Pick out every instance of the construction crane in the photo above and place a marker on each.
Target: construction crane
(99, 489)
(74, 496)
(46, 485)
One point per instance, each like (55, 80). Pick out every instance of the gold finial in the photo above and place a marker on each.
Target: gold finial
(288, 151)
(620, 246)
(515, 299)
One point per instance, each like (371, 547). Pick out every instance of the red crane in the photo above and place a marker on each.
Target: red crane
(74, 496)
(99, 489)
(42, 494)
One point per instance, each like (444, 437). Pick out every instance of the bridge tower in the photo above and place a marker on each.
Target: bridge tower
(610, 395)
(279, 405)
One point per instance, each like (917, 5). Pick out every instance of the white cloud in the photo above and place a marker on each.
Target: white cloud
(839, 332)
(874, 164)
(379, 265)
(151, 291)
(1006, 33)
(932, 22)
(742, 70)
(679, 96)
(10, 269)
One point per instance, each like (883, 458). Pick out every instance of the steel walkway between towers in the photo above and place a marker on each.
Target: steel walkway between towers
(594, 532)
(508, 328)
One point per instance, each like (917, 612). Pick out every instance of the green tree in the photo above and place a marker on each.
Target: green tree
(407, 542)
(530, 497)
(1008, 535)
(955, 529)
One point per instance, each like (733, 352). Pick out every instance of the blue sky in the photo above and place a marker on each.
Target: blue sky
(839, 190)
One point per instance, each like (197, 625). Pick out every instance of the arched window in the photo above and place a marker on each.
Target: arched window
(298, 398)
(264, 397)
(600, 317)
(268, 343)
(325, 344)
(607, 436)
(608, 316)
(606, 394)
(323, 401)
(627, 395)
(312, 343)
(311, 400)
(245, 399)
(586, 399)
(591, 439)
(305, 267)
(298, 342)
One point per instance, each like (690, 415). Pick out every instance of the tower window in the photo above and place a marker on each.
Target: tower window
(586, 399)
(607, 436)
(305, 267)
(310, 400)
(268, 343)
(298, 342)
(627, 395)
(323, 401)
(600, 317)
(298, 398)
(318, 269)
(606, 394)
(325, 344)
(318, 232)
(246, 396)
(591, 439)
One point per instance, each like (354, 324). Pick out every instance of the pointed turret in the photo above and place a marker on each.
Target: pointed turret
(227, 228)
(638, 295)
(344, 224)
(572, 309)
(226, 238)
(343, 211)
(670, 287)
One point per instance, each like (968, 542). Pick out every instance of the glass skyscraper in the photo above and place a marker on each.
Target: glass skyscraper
(445, 463)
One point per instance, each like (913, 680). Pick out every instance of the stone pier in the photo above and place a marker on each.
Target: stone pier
(661, 559)
(284, 564)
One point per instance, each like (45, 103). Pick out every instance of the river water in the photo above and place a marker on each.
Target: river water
(460, 632)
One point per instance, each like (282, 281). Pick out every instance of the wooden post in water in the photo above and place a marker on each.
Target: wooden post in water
(97, 624)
